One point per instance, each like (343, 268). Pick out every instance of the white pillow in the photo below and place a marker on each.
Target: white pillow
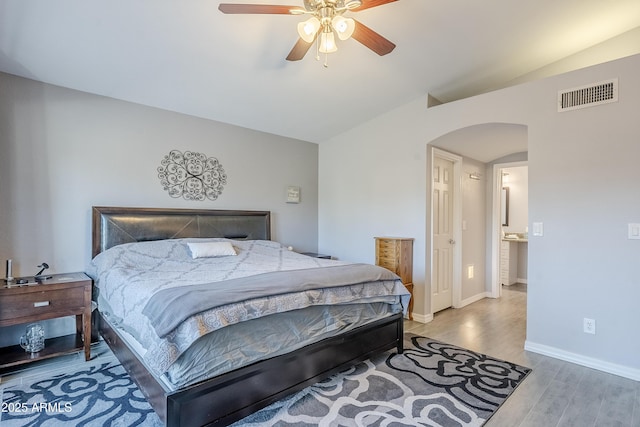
(211, 249)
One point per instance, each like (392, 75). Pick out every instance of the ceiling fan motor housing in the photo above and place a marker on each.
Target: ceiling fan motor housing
(313, 5)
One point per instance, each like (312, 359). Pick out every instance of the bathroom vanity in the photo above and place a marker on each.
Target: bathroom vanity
(513, 249)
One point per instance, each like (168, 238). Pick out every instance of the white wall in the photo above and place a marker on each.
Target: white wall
(372, 180)
(625, 44)
(62, 151)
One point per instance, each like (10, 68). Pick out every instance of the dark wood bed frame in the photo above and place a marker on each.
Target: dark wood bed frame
(234, 395)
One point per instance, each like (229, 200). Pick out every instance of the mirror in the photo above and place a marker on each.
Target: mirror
(504, 204)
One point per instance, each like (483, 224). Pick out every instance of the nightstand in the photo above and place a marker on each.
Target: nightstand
(316, 255)
(61, 295)
(396, 254)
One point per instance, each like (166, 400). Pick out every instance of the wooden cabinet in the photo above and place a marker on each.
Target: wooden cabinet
(396, 254)
(61, 295)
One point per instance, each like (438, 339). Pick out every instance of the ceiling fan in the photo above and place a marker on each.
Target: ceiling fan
(325, 23)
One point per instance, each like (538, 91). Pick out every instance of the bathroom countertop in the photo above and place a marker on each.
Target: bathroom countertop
(518, 240)
(515, 237)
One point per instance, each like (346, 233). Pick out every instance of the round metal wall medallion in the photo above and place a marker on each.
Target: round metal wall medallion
(191, 175)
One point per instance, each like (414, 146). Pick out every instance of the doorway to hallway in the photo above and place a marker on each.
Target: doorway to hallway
(510, 220)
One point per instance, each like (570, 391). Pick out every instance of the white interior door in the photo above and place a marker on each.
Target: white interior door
(443, 243)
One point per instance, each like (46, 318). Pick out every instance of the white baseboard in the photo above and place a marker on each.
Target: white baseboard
(426, 318)
(589, 362)
(473, 299)
(422, 318)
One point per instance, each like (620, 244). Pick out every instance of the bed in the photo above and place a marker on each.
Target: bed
(193, 385)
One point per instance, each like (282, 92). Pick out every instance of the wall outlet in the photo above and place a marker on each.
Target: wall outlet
(589, 326)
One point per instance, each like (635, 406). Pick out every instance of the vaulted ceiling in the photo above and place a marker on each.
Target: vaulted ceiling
(187, 56)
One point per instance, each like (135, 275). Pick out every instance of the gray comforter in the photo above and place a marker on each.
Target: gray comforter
(130, 277)
(167, 308)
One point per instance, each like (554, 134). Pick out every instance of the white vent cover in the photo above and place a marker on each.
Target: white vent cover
(588, 96)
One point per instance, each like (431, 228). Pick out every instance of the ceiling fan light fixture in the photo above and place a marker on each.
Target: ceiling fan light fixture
(343, 26)
(325, 23)
(307, 30)
(327, 43)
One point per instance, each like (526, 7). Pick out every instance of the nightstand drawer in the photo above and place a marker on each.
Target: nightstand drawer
(387, 249)
(57, 303)
(388, 263)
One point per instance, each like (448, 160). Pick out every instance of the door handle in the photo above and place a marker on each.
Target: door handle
(453, 242)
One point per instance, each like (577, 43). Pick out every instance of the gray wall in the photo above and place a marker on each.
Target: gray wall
(62, 151)
(474, 212)
(582, 186)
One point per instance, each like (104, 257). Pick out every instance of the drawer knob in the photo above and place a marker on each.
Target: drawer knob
(41, 304)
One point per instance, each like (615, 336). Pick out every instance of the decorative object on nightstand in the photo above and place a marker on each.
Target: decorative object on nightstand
(59, 296)
(9, 277)
(396, 254)
(39, 276)
(33, 339)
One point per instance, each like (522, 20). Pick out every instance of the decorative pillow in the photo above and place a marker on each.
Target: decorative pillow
(211, 249)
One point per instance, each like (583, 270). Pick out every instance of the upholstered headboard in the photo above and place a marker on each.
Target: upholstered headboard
(117, 225)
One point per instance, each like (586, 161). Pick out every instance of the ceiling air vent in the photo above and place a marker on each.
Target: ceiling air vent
(588, 96)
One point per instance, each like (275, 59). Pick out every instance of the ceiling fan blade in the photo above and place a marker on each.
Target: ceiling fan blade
(372, 40)
(259, 8)
(367, 4)
(299, 50)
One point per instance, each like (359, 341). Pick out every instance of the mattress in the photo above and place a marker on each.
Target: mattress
(252, 341)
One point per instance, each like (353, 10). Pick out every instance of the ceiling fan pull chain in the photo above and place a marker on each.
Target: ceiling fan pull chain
(326, 60)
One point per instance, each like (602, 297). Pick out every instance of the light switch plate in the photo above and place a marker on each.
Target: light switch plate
(538, 229)
(634, 231)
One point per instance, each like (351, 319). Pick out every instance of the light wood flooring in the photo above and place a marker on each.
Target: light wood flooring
(556, 393)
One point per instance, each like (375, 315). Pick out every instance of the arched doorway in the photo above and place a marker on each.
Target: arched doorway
(479, 147)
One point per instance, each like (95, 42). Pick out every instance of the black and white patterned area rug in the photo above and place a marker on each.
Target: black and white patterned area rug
(430, 384)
